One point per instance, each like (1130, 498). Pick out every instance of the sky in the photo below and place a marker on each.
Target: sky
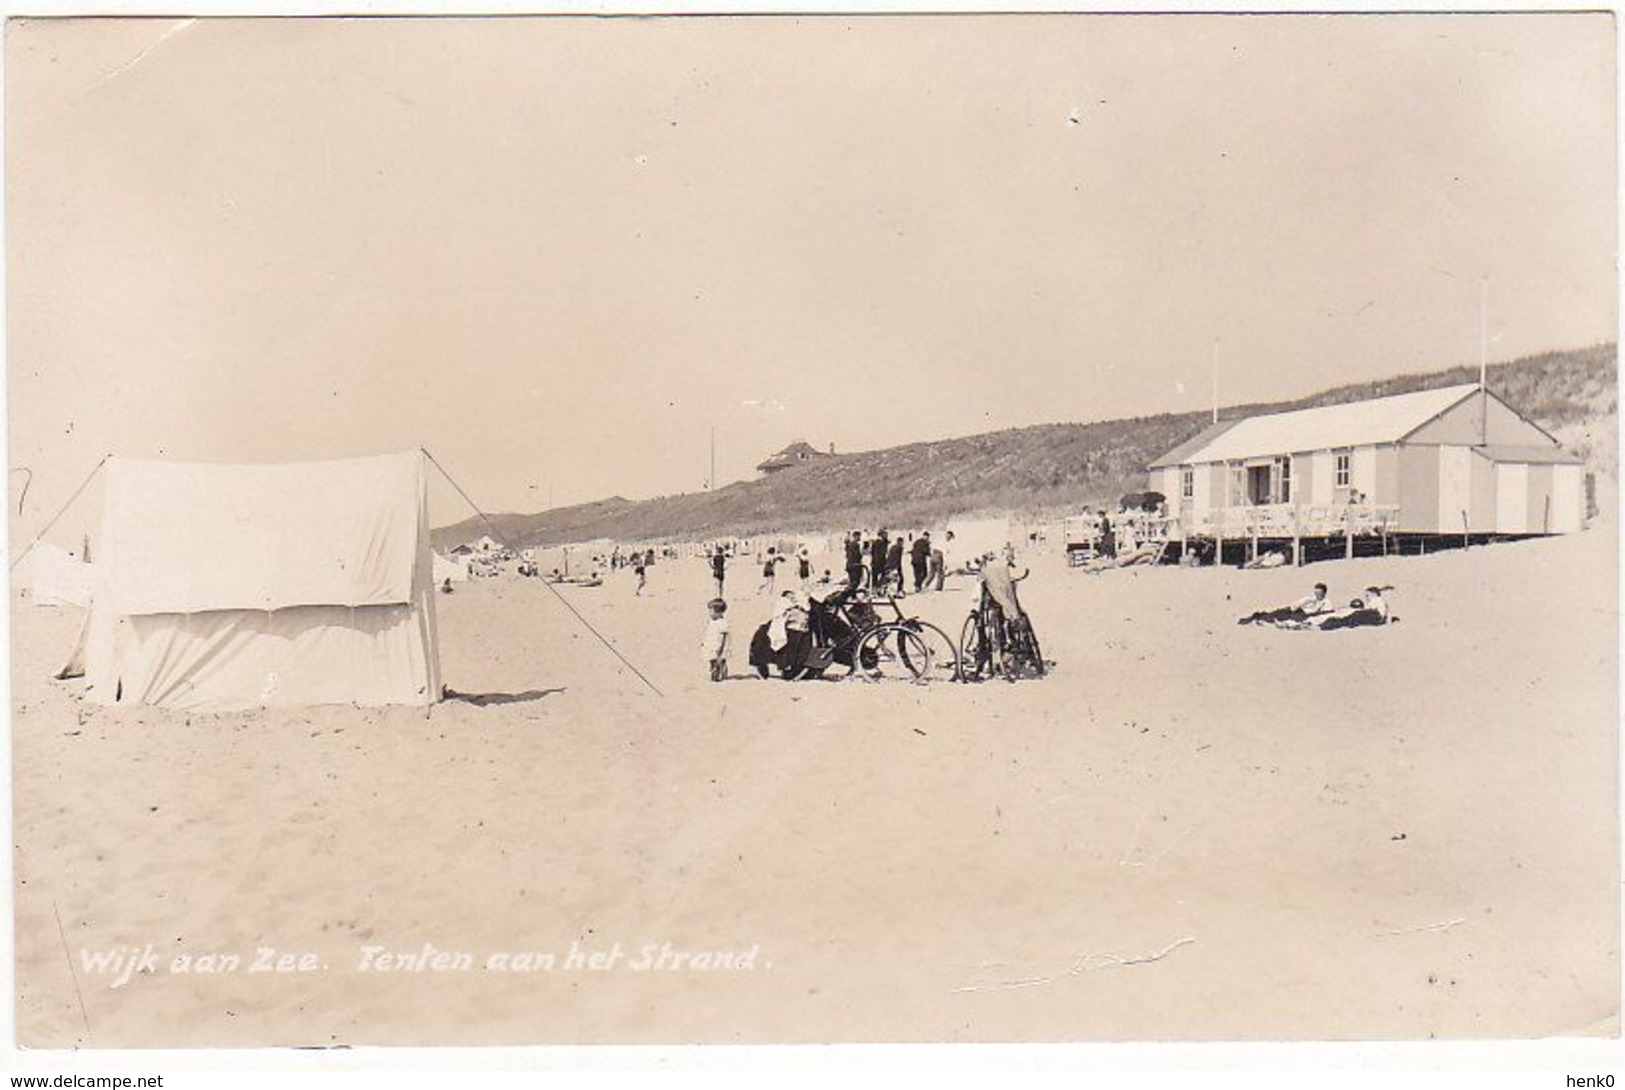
(563, 253)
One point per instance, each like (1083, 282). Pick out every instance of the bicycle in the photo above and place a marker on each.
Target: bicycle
(847, 637)
(991, 645)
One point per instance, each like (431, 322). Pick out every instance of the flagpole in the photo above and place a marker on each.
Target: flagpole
(1215, 380)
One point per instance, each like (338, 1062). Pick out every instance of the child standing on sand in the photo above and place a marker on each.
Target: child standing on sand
(714, 645)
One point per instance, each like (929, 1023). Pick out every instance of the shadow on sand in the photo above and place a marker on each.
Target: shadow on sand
(482, 700)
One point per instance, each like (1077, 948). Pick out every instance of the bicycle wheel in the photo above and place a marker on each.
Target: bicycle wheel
(944, 663)
(894, 651)
(973, 657)
(1022, 655)
(1038, 654)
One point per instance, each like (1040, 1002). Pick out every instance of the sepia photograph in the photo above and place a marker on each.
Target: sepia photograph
(776, 529)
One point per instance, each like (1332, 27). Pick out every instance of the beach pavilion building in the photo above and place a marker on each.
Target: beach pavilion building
(1451, 462)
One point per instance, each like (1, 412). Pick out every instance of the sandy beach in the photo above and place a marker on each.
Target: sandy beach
(1189, 831)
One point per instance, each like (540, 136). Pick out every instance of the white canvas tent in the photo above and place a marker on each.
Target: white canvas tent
(232, 586)
(55, 577)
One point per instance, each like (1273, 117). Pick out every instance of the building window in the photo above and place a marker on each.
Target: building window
(1187, 483)
(1284, 475)
(1343, 459)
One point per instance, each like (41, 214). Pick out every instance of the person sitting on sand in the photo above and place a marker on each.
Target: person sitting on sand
(1313, 605)
(789, 624)
(1369, 611)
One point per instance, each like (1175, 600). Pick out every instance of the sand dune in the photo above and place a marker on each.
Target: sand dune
(1189, 831)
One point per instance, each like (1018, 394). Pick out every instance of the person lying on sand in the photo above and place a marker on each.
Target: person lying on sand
(1299, 611)
(1369, 611)
(1140, 554)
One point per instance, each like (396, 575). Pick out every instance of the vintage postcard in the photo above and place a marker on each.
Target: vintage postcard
(826, 528)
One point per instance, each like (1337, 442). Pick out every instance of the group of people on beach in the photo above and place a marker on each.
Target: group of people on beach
(874, 565)
(881, 564)
(884, 557)
(1317, 612)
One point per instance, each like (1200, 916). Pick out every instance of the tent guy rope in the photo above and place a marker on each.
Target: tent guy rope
(497, 536)
(61, 511)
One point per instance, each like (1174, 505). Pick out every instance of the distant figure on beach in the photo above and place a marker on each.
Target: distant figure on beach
(770, 568)
(894, 564)
(879, 548)
(920, 555)
(714, 645)
(933, 570)
(804, 568)
(719, 567)
(1108, 539)
(640, 569)
(854, 559)
(1369, 611)
(950, 555)
(1313, 605)
(445, 588)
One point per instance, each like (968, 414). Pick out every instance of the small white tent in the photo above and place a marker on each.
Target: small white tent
(232, 586)
(446, 568)
(973, 537)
